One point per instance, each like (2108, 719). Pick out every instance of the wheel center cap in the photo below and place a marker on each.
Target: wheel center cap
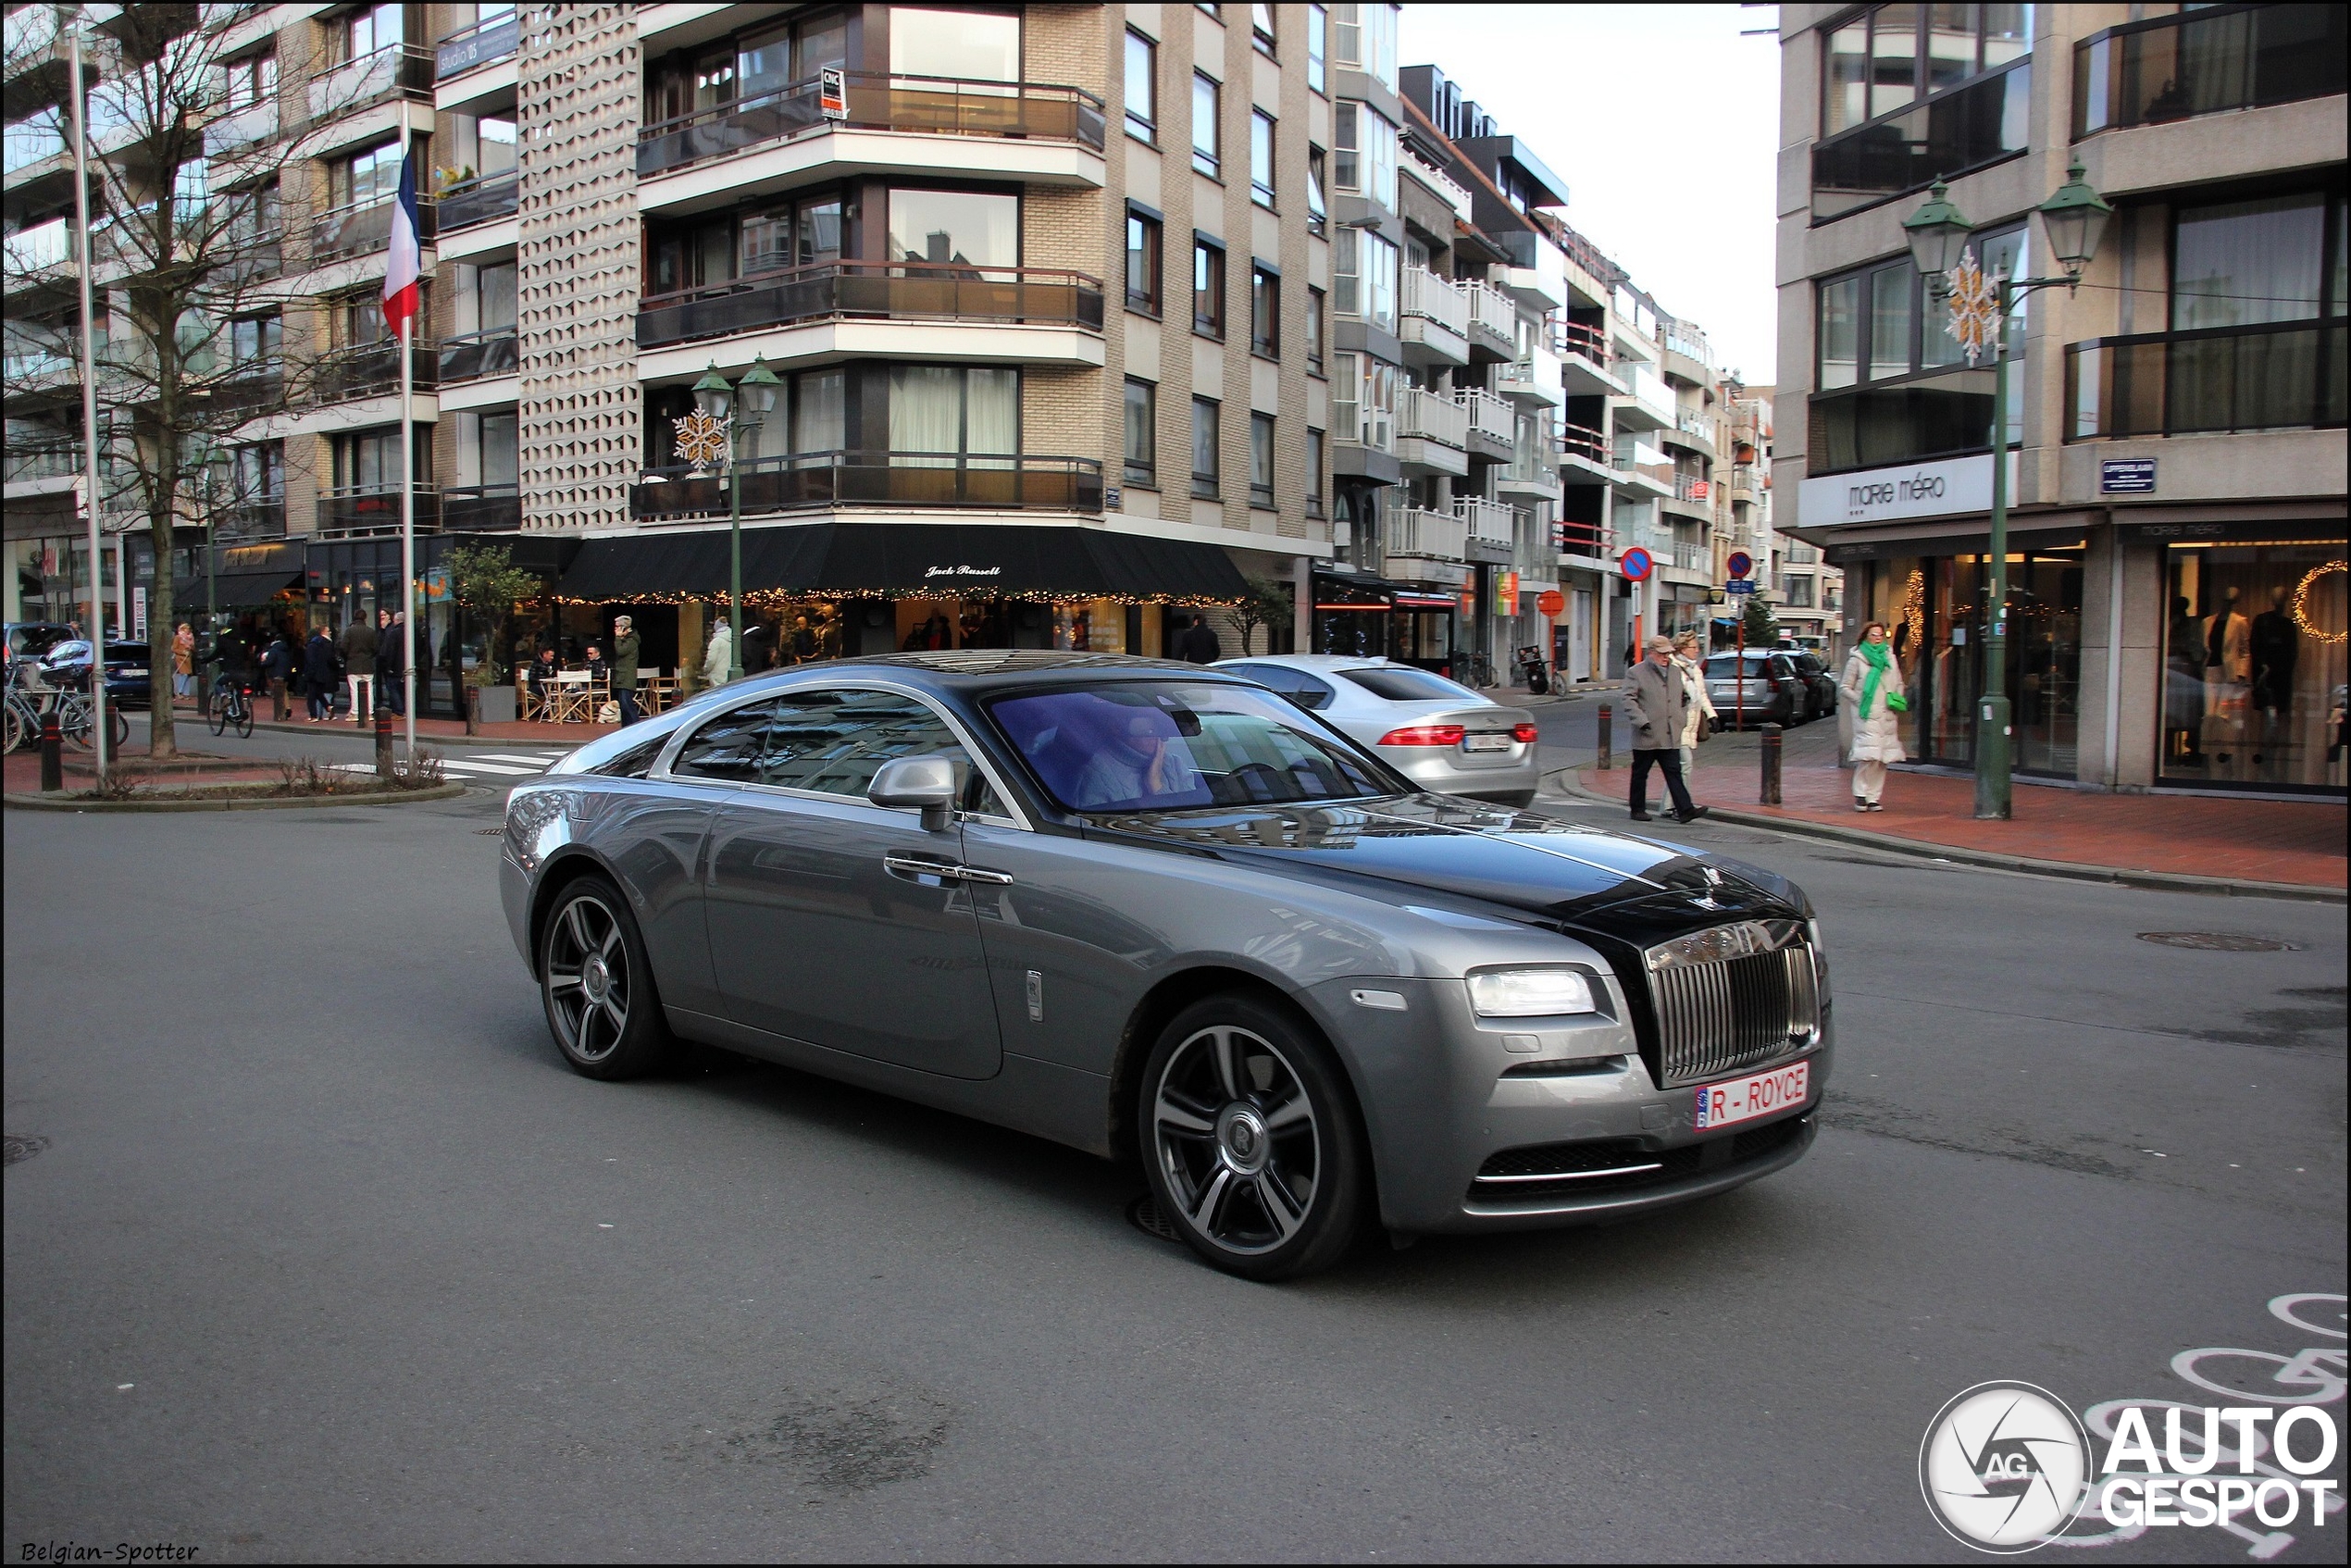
(595, 979)
(1241, 1138)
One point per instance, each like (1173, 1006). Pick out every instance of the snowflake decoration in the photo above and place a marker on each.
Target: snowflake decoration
(1975, 307)
(702, 438)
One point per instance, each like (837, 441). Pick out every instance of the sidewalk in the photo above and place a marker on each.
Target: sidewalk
(191, 730)
(2178, 840)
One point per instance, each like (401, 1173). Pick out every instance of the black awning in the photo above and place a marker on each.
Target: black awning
(234, 591)
(951, 560)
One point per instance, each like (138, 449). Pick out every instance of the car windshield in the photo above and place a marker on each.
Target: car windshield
(1403, 683)
(1725, 666)
(1169, 745)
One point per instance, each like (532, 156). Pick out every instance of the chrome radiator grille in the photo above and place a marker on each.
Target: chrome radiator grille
(1731, 997)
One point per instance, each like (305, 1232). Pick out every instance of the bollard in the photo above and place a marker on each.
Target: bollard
(1607, 741)
(52, 761)
(383, 742)
(1771, 793)
(473, 710)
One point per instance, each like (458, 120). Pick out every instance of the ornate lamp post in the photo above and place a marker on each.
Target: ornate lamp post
(703, 437)
(2074, 221)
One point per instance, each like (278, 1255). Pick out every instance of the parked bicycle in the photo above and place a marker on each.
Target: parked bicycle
(64, 692)
(231, 706)
(1481, 672)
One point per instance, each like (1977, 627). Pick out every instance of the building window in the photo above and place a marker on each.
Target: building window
(1915, 92)
(1364, 277)
(1206, 142)
(1142, 434)
(1260, 157)
(257, 473)
(1142, 88)
(1205, 448)
(958, 229)
(961, 45)
(363, 31)
(1208, 288)
(941, 413)
(1142, 262)
(1365, 39)
(1315, 299)
(1318, 219)
(1315, 473)
(1800, 593)
(255, 342)
(1894, 55)
(371, 176)
(1363, 401)
(1317, 31)
(1260, 460)
(1265, 311)
(1261, 27)
(1368, 148)
(806, 232)
(253, 80)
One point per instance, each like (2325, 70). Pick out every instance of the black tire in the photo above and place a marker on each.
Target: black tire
(597, 986)
(1256, 1185)
(244, 720)
(217, 712)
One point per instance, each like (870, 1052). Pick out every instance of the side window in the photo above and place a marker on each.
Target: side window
(833, 742)
(637, 760)
(726, 748)
(1312, 691)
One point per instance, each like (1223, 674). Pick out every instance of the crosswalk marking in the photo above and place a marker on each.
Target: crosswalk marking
(467, 765)
(536, 760)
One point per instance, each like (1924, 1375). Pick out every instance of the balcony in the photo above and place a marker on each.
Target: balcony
(362, 228)
(867, 294)
(476, 354)
(235, 129)
(366, 511)
(1536, 275)
(1692, 430)
(32, 141)
(2286, 376)
(2203, 62)
(1492, 526)
(1584, 537)
(393, 71)
(256, 386)
(1642, 470)
(480, 201)
(1010, 131)
(42, 466)
(1434, 319)
(1584, 455)
(1651, 406)
(1491, 421)
(1532, 379)
(480, 45)
(1747, 482)
(481, 508)
(1432, 434)
(1416, 533)
(1493, 324)
(370, 370)
(1952, 133)
(1532, 474)
(826, 479)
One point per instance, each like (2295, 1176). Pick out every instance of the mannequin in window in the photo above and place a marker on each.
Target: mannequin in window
(2228, 684)
(2183, 685)
(2276, 646)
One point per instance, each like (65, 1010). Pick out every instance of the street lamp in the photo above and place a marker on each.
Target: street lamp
(2075, 219)
(716, 400)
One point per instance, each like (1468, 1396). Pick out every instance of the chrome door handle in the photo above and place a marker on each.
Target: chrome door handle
(994, 879)
(915, 866)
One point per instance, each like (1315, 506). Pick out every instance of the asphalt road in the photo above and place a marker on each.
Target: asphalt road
(328, 1256)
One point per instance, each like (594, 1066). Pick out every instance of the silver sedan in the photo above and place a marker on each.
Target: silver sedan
(1440, 735)
(1156, 913)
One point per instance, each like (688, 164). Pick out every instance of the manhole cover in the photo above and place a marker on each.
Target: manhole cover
(1145, 1213)
(20, 1149)
(2218, 941)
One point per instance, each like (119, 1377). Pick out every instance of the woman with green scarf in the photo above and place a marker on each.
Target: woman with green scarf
(1873, 688)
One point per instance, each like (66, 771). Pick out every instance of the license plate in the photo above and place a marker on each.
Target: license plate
(1485, 742)
(1757, 1094)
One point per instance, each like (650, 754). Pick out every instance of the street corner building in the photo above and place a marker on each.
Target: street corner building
(1043, 325)
(2175, 441)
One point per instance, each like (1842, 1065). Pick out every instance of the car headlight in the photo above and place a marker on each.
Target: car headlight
(1529, 993)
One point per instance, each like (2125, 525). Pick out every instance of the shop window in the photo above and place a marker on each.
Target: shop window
(1206, 139)
(1208, 288)
(1265, 311)
(1142, 88)
(2254, 667)
(1205, 451)
(1142, 434)
(1143, 241)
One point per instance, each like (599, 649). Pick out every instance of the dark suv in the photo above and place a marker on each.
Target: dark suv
(1818, 684)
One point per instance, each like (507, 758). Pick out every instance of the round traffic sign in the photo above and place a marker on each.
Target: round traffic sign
(1740, 563)
(1550, 601)
(1636, 564)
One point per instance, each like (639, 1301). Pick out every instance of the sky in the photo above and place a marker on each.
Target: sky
(1664, 124)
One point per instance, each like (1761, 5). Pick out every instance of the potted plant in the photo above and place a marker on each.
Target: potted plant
(487, 582)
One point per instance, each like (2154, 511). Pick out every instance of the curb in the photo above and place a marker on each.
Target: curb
(393, 797)
(2078, 871)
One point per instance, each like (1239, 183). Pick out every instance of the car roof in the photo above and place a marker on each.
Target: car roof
(967, 672)
(1312, 661)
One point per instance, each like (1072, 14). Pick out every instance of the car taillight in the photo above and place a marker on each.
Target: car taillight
(1424, 735)
(1525, 734)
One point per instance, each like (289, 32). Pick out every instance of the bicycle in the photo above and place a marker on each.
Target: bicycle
(229, 708)
(1481, 672)
(69, 700)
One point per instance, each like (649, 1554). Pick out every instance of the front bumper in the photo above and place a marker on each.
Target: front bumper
(1440, 1099)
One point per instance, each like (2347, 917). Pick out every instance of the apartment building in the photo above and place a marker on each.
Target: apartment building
(2175, 437)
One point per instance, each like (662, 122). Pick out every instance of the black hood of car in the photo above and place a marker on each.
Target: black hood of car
(1560, 872)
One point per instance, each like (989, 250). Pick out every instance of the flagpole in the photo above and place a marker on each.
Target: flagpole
(408, 536)
(98, 734)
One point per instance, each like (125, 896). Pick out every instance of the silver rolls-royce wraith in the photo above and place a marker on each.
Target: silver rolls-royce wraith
(1161, 914)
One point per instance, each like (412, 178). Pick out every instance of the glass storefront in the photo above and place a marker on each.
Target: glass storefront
(2254, 665)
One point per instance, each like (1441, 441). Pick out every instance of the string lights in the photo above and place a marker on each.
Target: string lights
(2300, 609)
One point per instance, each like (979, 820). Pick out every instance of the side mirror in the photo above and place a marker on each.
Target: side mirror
(923, 784)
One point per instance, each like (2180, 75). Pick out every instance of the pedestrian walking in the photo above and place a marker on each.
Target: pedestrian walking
(626, 647)
(719, 657)
(1657, 703)
(1873, 689)
(1199, 645)
(391, 662)
(184, 660)
(319, 674)
(358, 646)
(276, 668)
(1702, 717)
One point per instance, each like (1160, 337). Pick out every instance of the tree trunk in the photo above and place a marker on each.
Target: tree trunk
(162, 605)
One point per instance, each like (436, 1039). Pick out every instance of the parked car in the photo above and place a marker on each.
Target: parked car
(1159, 913)
(1766, 689)
(32, 638)
(1819, 686)
(1439, 734)
(127, 674)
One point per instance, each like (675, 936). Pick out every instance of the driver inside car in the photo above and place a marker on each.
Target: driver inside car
(1141, 760)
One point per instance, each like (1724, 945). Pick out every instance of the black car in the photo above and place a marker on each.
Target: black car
(127, 674)
(1818, 684)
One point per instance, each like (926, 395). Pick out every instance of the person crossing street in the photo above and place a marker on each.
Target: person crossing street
(1657, 703)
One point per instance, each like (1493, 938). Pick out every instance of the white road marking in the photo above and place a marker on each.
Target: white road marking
(451, 765)
(539, 761)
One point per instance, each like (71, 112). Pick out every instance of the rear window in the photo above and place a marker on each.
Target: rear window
(1296, 684)
(1725, 666)
(1403, 683)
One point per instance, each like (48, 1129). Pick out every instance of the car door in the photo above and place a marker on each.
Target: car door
(827, 922)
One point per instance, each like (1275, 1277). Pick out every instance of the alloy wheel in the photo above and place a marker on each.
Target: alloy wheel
(1237, 1139)
(588, 978)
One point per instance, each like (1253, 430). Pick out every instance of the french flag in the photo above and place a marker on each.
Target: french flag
(403, 270)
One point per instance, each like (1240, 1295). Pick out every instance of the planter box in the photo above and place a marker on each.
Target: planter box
(498, 705)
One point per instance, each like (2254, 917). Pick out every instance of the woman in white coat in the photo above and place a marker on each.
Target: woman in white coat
(1701, 706)
(1872, 687)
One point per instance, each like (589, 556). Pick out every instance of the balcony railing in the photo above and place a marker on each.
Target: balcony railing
(1966, 128)
(393, 70)
(2285, 376)
(1535, 374)
(46, 460)
(895, 291)
(1690, 487)
(1585, 342)
(237, 522)
(1582, 441)
(475, 355)
(1487, 522)
(38, 248)
(1631, 457)
(934, 105)
(1488, 414)
(1428, 416)
(28, 142)
(244, 127)
(372, 509)
(2205, 61)
(481, 508)
(877, 479)
(1689, 344)
(363, 227)
(1579, 537)
(1438, 299)
(1691, 424)
(1493, 311)
(480, 201)
(480, 45)
(371, 371)
(257, 384)
(1435, 536)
